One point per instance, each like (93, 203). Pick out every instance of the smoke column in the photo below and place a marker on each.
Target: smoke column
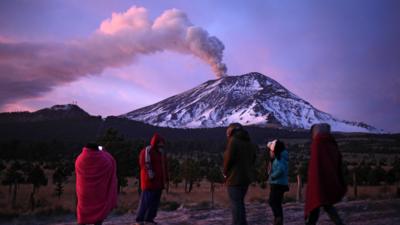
(29, 69)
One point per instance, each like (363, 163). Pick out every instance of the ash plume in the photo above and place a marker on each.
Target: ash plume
(29, 69)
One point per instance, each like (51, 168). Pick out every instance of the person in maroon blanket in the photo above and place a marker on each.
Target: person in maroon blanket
(153, 178)
(96, 184)
(326, 184)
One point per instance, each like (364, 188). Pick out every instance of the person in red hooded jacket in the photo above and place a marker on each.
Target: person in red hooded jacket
(153, 179)
(325, 185)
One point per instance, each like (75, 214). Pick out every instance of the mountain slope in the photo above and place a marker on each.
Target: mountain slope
(251, 99)
(56, 112)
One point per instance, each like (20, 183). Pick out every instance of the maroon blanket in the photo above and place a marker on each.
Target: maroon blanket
(326, 184)
(96, 185)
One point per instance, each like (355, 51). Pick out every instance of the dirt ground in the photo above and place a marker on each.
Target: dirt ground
(377, 207)
(128, 200)
(363, 212)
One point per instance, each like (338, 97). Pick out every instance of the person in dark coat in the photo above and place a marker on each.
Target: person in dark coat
(239, 159)
(326, 184)
(153, 179)
(277, 178)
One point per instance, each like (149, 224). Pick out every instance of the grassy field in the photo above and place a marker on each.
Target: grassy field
(372, 150)
(199, 198)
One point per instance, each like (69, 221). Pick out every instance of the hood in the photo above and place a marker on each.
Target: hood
(155, 140)
(320, 129)
(242, 135)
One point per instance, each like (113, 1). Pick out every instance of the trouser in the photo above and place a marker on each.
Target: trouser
(275, 199)
(148, 206)
(236, 198)
(330, 210)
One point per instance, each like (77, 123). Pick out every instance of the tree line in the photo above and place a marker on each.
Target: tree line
(190, 162)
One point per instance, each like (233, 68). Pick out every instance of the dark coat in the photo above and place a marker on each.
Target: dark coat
(239, 159)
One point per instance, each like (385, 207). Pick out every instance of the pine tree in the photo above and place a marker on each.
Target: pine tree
(214, 175)
(125, 154)
(175, 171)
(261, 169)
(302, 170)
(13, 177)
(60, 177)
(37, 178)
(2, 167)
(191, 173)
(376, 175)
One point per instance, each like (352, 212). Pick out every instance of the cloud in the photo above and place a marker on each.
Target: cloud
(29, 69)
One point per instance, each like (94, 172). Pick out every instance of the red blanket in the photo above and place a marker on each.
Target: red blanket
(325, 184)
(96, 185)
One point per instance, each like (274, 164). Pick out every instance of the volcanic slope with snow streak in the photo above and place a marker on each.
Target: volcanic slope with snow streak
(251, 99)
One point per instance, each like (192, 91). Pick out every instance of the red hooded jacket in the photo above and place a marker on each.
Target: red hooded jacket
(326, 184)
(158, 166)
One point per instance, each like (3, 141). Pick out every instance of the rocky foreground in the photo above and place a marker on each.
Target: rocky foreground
(365, 212)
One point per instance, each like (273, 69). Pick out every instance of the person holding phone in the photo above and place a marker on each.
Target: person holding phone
(96, 184)
(277, 177)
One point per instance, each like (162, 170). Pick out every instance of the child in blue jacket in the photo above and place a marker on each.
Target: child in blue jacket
(278, 177)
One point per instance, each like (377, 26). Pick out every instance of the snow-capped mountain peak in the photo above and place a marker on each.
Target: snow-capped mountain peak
(250, 99)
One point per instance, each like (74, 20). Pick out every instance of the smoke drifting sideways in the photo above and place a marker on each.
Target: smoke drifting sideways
(29, 69)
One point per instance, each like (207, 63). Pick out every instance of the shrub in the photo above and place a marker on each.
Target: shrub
(169, 205)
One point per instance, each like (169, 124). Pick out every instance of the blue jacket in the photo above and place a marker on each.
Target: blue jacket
(279, 170)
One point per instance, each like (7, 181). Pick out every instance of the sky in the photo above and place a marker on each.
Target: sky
(112, 57)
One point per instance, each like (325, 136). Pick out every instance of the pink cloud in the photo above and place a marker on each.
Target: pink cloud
(134, 20)
(16, 107)
(31, 69)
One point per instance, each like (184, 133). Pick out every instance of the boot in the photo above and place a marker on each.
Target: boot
(278, 221)
(333, 215)
(335, 218)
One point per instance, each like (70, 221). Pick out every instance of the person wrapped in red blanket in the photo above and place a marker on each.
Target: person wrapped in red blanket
(96, 184)
(325, 185)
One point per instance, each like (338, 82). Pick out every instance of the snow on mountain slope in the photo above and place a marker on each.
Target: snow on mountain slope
(251, 99)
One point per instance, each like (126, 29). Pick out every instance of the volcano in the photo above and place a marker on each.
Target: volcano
(251, 99)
